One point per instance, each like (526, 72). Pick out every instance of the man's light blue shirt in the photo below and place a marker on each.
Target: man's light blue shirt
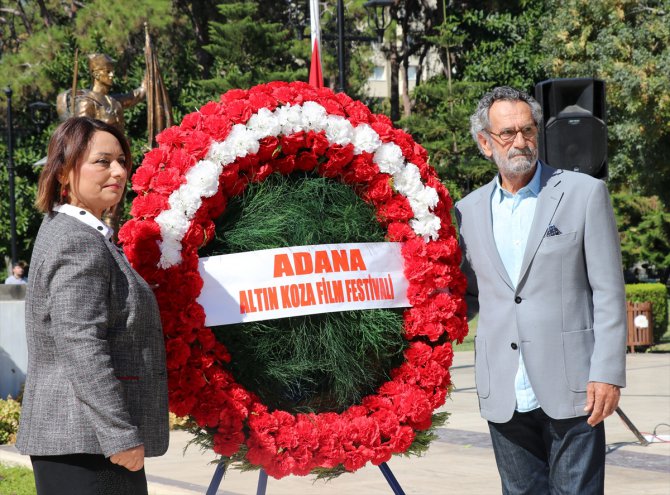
(512, 217)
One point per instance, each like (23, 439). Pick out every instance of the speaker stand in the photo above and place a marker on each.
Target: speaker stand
(643, 441)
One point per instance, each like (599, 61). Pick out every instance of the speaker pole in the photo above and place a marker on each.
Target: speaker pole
(643, 441)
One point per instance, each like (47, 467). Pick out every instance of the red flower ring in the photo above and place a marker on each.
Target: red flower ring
(184, 184)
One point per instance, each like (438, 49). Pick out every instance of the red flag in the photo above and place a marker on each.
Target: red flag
(315, 74)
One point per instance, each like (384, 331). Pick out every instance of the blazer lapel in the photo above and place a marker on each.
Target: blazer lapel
(485, 227)
(551, 193)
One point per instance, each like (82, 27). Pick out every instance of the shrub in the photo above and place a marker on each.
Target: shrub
(10, 410)
(657, 295)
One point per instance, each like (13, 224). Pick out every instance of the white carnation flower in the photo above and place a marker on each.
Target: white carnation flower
(185, 200)
(339, 130)
(408, 180)
(426, 226)
(365, 139)
(290, 119)
(314, 116)
(263, 124)
(428, 196)
(389, 158)
(204, 176)
(241, 141)
(221, 152)
(173, 224)
(170, 253)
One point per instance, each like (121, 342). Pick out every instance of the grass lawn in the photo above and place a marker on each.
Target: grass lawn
(469, 340)
(15, 480)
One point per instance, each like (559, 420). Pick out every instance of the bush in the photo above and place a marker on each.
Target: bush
(10, 410)
(657, 295)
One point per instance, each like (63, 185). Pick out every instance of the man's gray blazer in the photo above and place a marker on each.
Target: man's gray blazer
(566, 314)
(96, 378)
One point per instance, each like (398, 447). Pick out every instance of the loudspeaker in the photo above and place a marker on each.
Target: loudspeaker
(574, 133)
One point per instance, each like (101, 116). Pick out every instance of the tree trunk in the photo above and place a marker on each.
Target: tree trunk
(199, 13)
(395, 92)
(44, 12)
(406, 103)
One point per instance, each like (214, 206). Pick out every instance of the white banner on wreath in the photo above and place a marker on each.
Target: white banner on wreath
(301, 280)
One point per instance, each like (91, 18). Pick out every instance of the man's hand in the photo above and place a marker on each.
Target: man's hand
(131, 459)
(601, 401)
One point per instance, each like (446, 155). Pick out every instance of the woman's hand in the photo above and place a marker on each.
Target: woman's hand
(131, 459)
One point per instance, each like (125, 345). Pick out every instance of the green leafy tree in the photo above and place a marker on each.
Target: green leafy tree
(627, 44)
(644, 228)
(250, 46)
(37, 47)
(479, 49)
(504, 48)
(25, 182)
(440, 122)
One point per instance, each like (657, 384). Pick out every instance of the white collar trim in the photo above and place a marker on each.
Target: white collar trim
(85, 217)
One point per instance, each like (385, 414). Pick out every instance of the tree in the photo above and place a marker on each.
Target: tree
(413, 22)
(250, 46)
(479, 49)
(440, 122)
(504, 49)
(644, 228)
(627, 44)
(37, 47)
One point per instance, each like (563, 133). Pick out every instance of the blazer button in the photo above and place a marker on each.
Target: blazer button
(514, 346)
(517, 300)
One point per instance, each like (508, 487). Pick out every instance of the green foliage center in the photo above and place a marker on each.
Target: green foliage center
(315, 363)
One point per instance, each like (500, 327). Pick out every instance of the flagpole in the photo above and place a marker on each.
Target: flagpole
(315, 71)
(315, 23)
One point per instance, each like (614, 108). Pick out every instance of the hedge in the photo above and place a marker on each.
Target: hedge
(657, 295)
(10, 410)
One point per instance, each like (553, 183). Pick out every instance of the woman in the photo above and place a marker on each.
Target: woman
(95, 401)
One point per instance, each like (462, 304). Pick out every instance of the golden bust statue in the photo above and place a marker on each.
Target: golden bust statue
(97, 102)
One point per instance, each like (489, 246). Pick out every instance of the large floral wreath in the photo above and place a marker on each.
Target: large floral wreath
(184, 184)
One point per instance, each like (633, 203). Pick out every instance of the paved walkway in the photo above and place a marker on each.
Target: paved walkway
(461, 461)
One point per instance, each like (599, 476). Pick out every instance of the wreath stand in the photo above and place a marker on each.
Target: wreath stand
(263, 480)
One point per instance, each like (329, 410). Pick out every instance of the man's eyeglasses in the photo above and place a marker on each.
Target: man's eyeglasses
(509, 135)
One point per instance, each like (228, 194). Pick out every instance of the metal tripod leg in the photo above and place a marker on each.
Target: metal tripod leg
(393, 483)
(643, 441)
(262, 482)
(216, 479)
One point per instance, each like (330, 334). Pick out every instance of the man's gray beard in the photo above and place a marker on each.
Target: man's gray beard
(516, 168)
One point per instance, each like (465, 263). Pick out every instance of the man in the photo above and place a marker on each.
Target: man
(16, 277)
(97, 103)
(541, 253)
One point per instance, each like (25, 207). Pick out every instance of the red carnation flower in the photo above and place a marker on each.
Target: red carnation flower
(290, 145)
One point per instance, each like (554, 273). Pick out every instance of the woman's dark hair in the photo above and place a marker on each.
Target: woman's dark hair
(67, 148)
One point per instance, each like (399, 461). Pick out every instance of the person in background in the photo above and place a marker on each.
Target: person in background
(17, 275)
(542, 257)
(95, 400)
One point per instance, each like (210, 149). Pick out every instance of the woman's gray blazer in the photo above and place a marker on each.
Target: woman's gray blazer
(96, 378)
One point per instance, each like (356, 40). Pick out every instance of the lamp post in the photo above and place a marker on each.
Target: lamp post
(376, 16)
(10, 173)
(340, 45)
(40, 114)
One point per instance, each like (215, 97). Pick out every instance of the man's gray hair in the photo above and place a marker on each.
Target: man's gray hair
(479, 121)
